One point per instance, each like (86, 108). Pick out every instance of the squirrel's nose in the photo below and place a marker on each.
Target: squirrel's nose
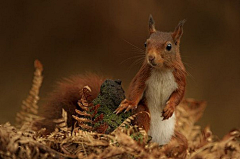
(151, 59)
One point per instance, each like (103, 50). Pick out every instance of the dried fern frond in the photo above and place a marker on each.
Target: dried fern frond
(188, 113)
(29, 108)
(225, 148)
(62, 122)
(87, 119)
(78, 142)
(85, 94)
(24, 144)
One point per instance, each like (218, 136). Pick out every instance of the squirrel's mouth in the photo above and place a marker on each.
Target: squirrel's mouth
(155, 64)
(152, 63)
(158, 65)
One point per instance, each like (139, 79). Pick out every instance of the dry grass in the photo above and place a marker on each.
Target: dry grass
(127, 141)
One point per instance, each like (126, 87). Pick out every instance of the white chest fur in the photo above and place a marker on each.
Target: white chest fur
(160, 86)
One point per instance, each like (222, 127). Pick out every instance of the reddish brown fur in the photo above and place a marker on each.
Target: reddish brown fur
(137, 87)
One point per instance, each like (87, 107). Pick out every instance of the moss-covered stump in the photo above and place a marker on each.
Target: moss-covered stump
(111, 95)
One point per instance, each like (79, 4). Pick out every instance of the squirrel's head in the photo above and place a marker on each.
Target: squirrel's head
(162, 48)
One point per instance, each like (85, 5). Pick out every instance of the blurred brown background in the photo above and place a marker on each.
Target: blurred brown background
(74, 36)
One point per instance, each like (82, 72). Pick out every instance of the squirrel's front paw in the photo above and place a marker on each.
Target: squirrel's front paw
(168, 111)
(125, 104)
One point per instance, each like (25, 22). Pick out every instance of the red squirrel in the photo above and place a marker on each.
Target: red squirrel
(157, 88)
(159, 85)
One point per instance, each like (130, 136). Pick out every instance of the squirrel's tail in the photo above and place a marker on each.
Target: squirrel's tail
(66, 96)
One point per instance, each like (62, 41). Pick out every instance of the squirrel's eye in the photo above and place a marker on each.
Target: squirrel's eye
(145, 44)
(169, 47)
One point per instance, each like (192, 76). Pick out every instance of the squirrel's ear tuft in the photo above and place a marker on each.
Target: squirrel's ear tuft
(177, 34)
(151, 25)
